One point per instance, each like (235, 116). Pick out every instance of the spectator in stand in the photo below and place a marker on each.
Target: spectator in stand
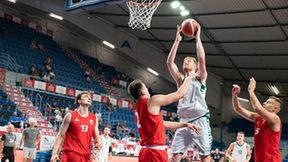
(23, 120)
(196, 155)
(40, 47)
(15, 120)
(48, 63)
(125, 128)
(110, 106)
(119, 128)
(132, 135)
(99, 116)
(33, 45)
(58, 120)
(87, 76)
(46, 77)
(33, 71)
(216, 156)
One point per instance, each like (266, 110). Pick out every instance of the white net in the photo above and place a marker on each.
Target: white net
(141, 12)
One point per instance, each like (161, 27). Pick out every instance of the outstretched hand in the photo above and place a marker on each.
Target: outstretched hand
(236, 89)
(252, 85)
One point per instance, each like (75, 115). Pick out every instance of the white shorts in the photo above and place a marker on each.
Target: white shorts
(29, 153)
(185, 137)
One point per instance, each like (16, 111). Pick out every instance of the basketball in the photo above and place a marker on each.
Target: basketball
(189, 27)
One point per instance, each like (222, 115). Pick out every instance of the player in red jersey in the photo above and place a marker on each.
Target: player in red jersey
(267, 123)
(77, 130)
(150, 121)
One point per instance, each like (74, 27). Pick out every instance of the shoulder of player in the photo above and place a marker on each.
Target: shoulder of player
(68, 116)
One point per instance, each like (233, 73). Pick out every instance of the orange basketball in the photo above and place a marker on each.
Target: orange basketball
(189, 27)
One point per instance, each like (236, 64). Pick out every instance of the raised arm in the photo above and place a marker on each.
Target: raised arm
(60, 137)
(172, 67)
(157, 101)
(273, 119)
(238, 107)
(201, 58)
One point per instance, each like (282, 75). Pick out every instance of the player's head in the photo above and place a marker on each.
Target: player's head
(10, 128)
(189, 64)
(106, 131)
(137, 89)
(84, 99)
(32, 122)
(273, 104)
(216, 150)
(240, 136)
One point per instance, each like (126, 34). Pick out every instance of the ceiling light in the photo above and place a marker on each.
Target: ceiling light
(175, 4)
(56, 16)
(13, 1)
(182, 8)
(184, 13)
(275, 89)
(108, 44)
(152, 71)
(243, 99)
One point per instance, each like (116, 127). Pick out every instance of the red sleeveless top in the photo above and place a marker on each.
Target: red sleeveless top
(79, 135)
(266, 142)
(151, 127)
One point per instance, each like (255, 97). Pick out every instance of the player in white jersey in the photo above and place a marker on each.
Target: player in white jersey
(239, 151)
(104, 154)
(192, 108)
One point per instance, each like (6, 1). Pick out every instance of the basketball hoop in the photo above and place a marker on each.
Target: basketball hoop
(141, 12)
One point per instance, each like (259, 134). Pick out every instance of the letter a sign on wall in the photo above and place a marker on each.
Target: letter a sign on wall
(125, 44)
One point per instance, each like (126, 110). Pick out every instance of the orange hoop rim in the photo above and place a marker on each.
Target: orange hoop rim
(144, 3)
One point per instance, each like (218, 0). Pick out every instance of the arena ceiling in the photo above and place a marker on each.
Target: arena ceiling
(242, 38)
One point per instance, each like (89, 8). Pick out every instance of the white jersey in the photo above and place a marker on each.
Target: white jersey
(239, 153)
(193, 104)
(102, 154)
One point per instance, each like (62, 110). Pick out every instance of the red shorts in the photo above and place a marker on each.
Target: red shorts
(152, 155)
(69, 156)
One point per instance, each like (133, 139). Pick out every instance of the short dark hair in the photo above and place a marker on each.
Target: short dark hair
(78, 97)
(134, 89)
(277, 99)
(240, 132)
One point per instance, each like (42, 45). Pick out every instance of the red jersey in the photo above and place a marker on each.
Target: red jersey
(79, 134)
(151, 127)
(267, 142)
